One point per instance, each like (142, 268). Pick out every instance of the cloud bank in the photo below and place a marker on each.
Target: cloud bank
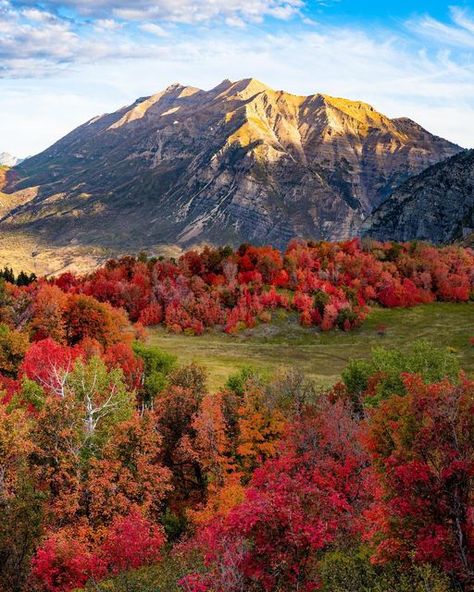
(96, 56)
(180, 11)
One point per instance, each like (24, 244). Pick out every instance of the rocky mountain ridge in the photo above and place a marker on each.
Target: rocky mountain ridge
(241, 162)
(437, 205)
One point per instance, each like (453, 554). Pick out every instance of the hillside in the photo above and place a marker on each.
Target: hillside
(241, 162)
(437, 205)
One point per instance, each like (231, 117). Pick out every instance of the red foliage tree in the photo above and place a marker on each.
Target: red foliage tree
(212, 287)
(121, 355)
(422, 448)
(297, 504)
(152, 314)
(128, 475)
(48, 313)
(131, 542)
(86, 317)
(64, 563)
(48, 363)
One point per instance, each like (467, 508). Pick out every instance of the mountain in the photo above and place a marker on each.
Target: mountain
(241, 162)
(436, 205)
(8, 160)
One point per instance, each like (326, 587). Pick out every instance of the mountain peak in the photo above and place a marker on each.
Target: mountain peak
(179, 90)
(245, 88)
(253, 84)
(175, 88)
(240, 162)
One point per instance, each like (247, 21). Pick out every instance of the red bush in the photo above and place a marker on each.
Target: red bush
(131, 542)
(64, 563)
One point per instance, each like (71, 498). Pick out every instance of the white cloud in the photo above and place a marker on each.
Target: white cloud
(40, 16)
(35, 43)
(182, 11)
(107, 25)
(235, 21)
(400, 74)
(458, 33)
(154, 29)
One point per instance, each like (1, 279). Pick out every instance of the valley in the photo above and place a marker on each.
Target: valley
(285, 345)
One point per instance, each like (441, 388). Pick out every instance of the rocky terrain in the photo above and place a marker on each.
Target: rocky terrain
(436, 205)
(241, 162)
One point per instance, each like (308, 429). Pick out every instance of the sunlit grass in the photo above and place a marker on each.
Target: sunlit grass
(322, 356)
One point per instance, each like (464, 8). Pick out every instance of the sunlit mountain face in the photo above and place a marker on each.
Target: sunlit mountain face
(241, 162)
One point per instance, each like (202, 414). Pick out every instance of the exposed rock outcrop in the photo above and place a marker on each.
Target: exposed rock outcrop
(241, 162)
(436, 205)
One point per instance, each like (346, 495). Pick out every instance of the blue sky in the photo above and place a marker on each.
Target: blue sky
(64, 61)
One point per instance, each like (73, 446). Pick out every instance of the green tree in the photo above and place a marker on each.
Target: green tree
(102, 398)
(382, 374)
(157, 366)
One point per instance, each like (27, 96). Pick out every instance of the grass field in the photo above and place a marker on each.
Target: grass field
(322, 356)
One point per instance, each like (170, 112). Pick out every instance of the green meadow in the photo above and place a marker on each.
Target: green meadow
(285, 344)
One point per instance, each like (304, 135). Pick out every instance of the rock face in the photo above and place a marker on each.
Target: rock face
(437, 205)
(241, 162)
(8, 160)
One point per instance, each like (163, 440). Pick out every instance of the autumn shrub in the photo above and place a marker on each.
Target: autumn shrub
(13, 346)
(297, 505)
(131, 542)
(152, 314)
(352, 571)
(330, 285)
(64, 563)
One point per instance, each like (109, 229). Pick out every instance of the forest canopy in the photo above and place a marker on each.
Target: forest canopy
(120, 470)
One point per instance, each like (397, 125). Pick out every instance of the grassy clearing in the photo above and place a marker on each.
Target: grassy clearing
(322, 356)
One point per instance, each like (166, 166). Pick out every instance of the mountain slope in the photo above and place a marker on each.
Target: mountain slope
(437, 205)
(241, 162)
